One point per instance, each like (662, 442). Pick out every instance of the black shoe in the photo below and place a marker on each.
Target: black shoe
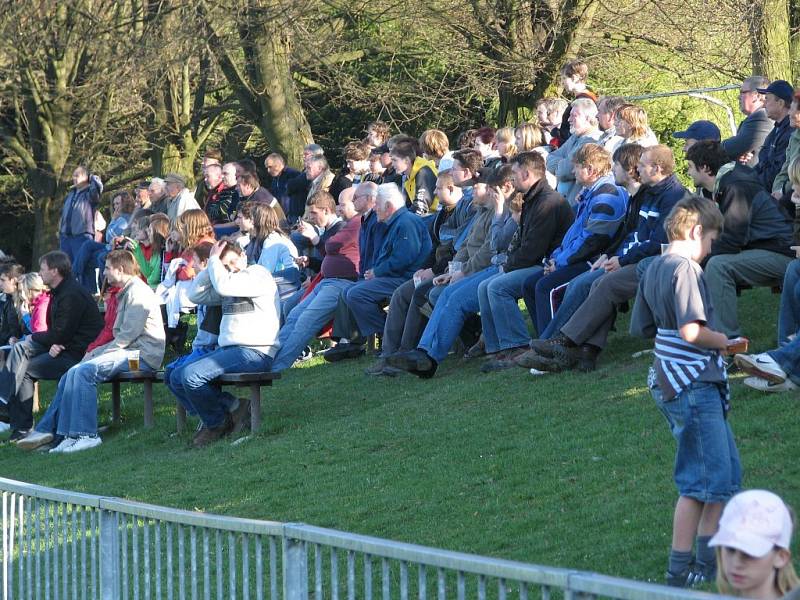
(414, 361)
(587, 361)
(547, 348)
(344, 351)
(18, 434)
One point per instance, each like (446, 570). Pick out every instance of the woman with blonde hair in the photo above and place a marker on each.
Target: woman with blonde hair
(631, 125)
(192, 227)
(528, 136)
(505, 142)
(434, 145)
(31, 300)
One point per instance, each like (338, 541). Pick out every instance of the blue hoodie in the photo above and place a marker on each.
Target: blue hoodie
(405, 246)
(601, 212)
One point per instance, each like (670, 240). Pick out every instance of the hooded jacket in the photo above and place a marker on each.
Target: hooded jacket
(419, 186)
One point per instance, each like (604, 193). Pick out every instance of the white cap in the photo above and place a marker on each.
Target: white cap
(754, 522)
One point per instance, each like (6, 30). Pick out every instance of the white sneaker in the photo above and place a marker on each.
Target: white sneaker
(762, 385)
(760, 365)
(84, 443)
(34, 439)
(65, 443)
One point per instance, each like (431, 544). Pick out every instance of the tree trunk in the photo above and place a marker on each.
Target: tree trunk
(770, 39)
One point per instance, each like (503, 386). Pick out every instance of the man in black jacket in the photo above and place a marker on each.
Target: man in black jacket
(754, 246)
(73, 322)
(750, 136)
(778, 100)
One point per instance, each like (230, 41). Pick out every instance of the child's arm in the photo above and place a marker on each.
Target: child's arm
(698, 334)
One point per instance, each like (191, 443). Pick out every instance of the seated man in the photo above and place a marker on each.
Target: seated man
(745, 145)
(247, 338)
(495, 291)
(73, 321)
(777, 102)
(138, 327)
(601, 211)
(584, 332)
(339, 270)
(584, 127)
(406, 244)
(754, 248)
(405, 322)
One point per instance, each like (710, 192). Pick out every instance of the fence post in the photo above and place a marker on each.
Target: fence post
(109, 555)
(5, 551)
(295, 569)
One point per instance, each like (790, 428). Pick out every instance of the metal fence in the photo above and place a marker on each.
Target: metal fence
(62, 545)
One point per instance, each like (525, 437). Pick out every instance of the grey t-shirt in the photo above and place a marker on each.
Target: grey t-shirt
(672, 294)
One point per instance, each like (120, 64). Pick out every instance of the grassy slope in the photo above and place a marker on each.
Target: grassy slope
(571, 470)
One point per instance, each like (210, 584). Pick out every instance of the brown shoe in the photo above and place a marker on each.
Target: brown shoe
(503, 360)
(208, 436)
(546, 348)
(241, 417)
(528, 360)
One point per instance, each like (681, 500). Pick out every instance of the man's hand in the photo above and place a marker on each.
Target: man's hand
(599, 262)
(612, 264)
(216, 249)
(549, 267)
(746, 157)
(369, 274)
(457, 276)
(795, 199)
(424, 274)
(301, 262)
(443, 279)
(778, 195)
(56, 349)
(306, 229)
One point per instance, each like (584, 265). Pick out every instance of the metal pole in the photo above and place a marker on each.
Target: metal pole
(109, 555)
(295, 570)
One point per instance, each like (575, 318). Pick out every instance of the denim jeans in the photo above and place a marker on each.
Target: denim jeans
(789, 315)
(502, 321)
(788, 357)
(306, 319)
(87, 260)
(537, 288)
(174, 384)
(707, 466)
(195, 382)
(73, 411)
(364, 300)
(577, 292)
(456, 302)
(71, 244)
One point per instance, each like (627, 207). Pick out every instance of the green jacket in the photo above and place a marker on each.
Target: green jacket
(151, 269)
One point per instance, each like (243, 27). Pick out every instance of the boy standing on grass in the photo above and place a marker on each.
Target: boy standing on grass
(689, 384)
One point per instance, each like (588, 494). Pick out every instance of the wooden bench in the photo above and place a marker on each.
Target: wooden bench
(253, 381)
(146, 378)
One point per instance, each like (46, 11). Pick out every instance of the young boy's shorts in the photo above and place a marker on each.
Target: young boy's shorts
(707, 466)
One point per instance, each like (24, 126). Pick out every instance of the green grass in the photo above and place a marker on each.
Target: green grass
(569, 470)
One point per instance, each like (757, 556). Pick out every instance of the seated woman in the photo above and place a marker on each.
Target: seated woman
(271, 248)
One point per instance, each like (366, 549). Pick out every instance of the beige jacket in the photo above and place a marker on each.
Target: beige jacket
(138, 324)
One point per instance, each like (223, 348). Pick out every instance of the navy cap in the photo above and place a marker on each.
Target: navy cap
(700, 130)
(780, 88)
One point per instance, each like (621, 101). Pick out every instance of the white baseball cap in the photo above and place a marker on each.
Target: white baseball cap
(754, 522)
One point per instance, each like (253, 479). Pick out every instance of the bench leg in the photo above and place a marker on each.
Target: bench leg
(255, 407)
(180, 417)
(115, 402)
(148, 404)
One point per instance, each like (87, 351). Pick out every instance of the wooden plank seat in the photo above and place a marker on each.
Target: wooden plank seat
(146, 378)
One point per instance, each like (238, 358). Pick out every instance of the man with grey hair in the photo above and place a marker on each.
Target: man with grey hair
(745, 145)
(584, 127)
(179, 199)
(158, 195)
(318, 173)
(405, 245)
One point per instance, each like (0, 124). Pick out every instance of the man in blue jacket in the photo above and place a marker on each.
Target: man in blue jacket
(745, 145)
(778, 100)
(406, 245)
(77, 214)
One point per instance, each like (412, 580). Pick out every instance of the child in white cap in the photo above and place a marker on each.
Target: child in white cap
(752, 546)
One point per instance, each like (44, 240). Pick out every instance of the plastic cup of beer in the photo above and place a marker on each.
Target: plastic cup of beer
(454, 266)
(133, 360)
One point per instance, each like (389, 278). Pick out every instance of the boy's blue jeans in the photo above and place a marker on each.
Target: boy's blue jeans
(707, 466)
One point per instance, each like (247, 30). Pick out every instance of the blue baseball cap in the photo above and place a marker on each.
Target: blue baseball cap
(780, 88)
(700, 130)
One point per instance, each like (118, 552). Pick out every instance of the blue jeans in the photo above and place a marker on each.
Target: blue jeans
(789, 315)
(707, 466)
(502, 322)
(89, 258)
(174, 384)
(73, 411)
(537, 288)
(306, 319)
(71, 244)
(577, 292)
(194, 383)
(364, 300)
(788, 357)
(456, 302)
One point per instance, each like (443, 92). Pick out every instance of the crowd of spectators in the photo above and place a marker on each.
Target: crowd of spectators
(578, 213)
